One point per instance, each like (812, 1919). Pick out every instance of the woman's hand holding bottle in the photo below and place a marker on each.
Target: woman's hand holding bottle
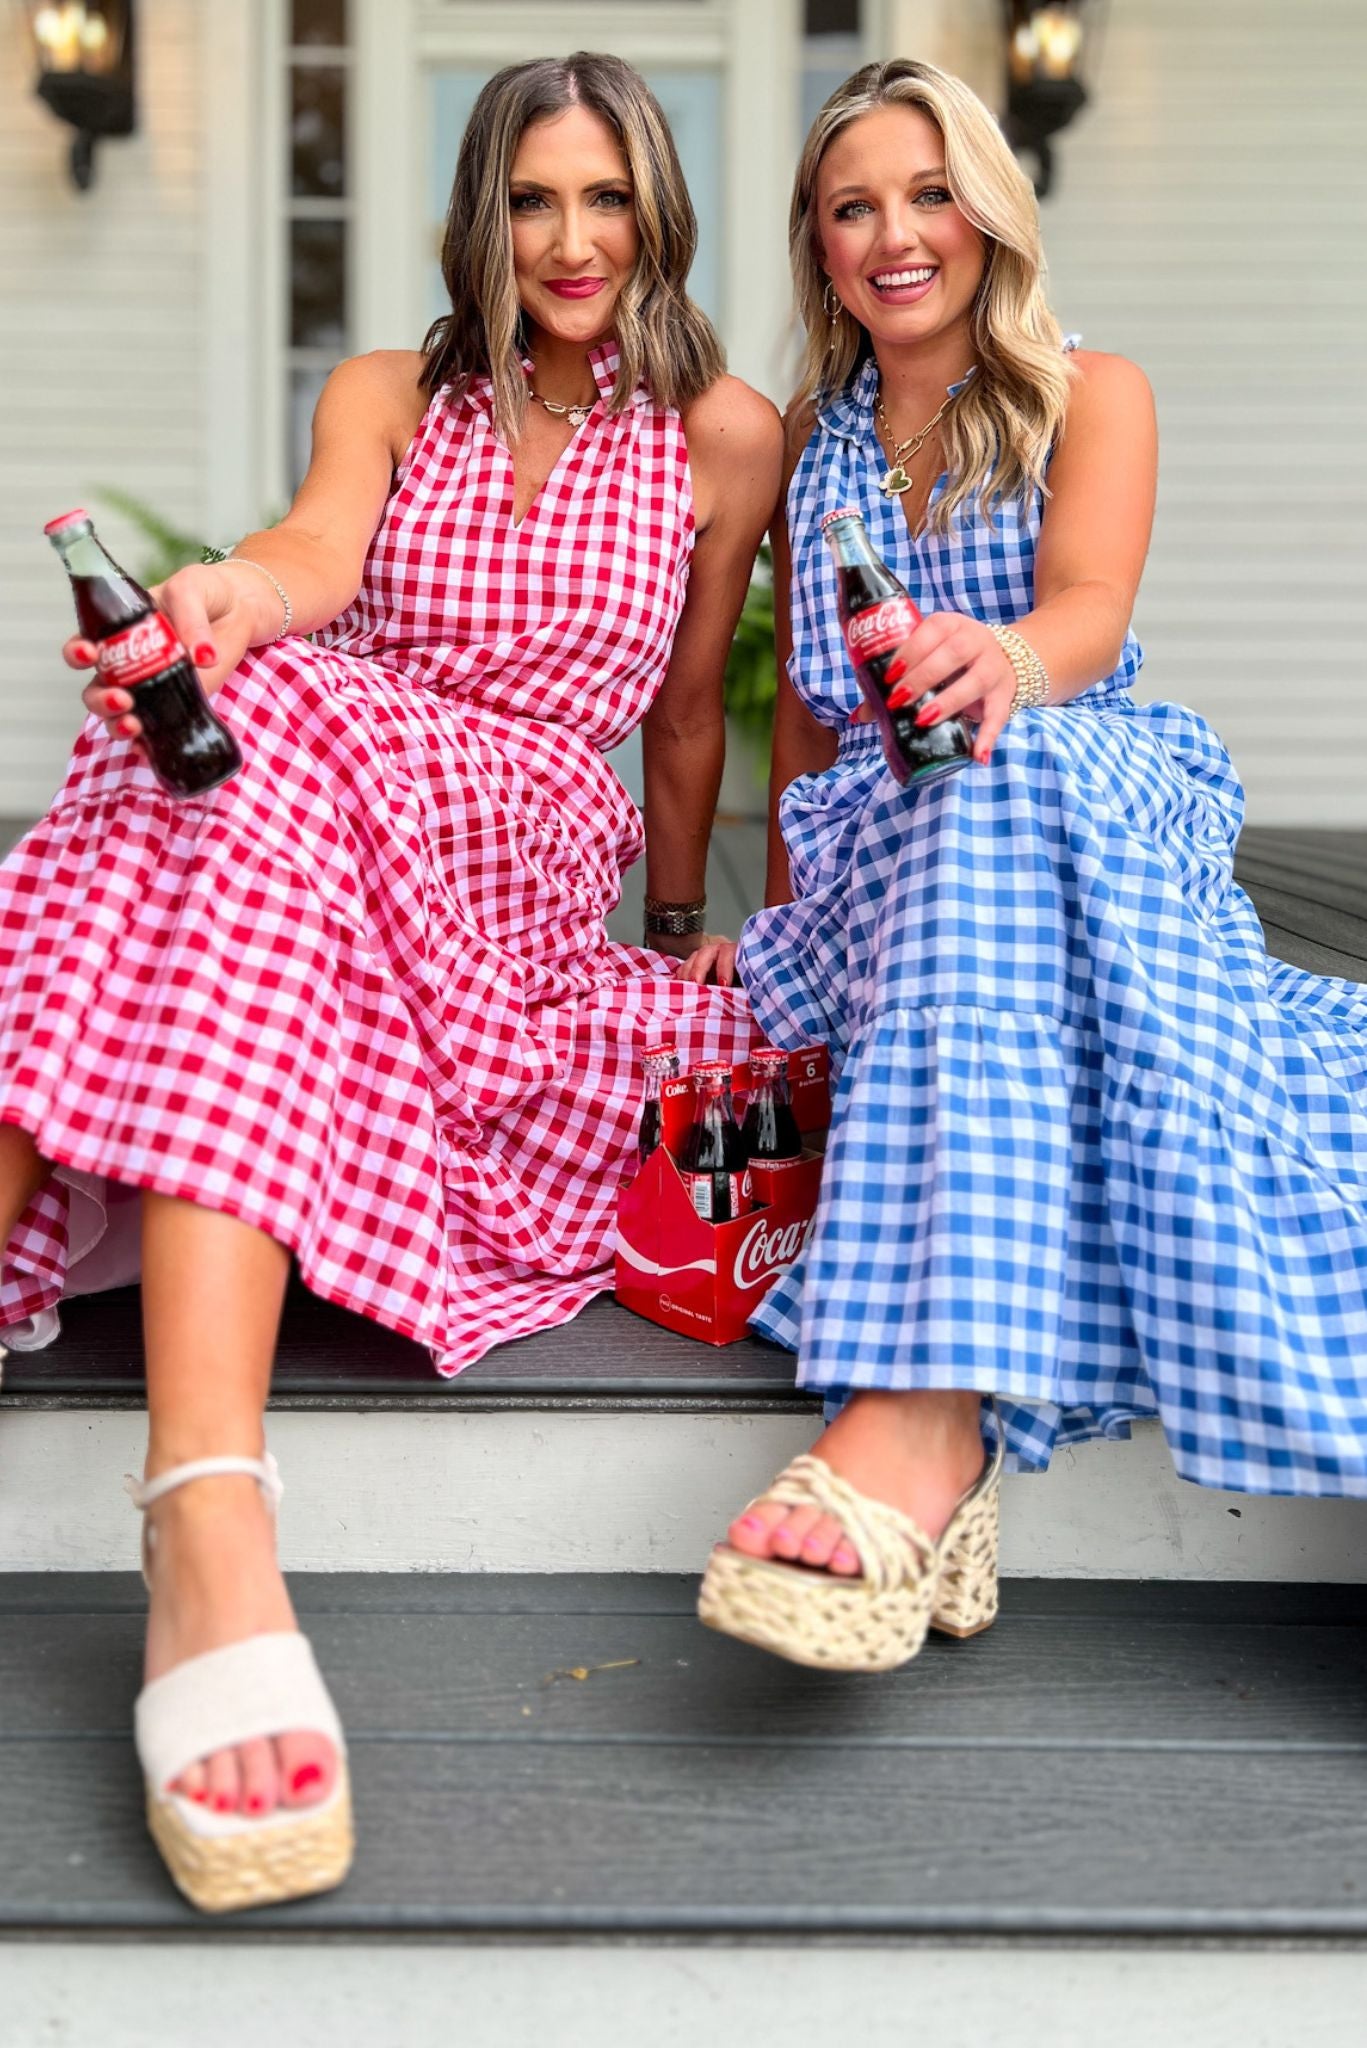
(218, 615)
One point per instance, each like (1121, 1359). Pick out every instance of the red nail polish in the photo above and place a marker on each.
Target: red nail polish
(204, 653)
(256, 1804)
(899, 699)
(927, 717)
(223, 1803)
(895, 670)
(201, 1798)
(306, 1775)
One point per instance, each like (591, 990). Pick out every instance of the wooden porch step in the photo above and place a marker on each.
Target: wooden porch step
(575, 1756)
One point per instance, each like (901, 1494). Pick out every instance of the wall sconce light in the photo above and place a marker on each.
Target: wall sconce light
(84, 52)
(1046, 46)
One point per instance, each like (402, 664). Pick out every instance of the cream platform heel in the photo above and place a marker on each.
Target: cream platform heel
(266, 1685)
(907, 1583)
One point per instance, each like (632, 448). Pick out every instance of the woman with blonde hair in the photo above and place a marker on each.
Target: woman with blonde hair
(1094, 1155)
(359, 1005)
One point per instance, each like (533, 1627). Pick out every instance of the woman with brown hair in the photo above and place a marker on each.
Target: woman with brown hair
(1094, 1156)
(359, 1005)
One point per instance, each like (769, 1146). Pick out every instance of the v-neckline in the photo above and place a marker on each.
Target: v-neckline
(604, 358)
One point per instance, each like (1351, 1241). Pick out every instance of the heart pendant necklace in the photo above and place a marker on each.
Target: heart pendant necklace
(575, 414)
(896, 478)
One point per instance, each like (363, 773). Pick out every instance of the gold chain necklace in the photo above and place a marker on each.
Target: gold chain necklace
(575, 414)
(894, 479)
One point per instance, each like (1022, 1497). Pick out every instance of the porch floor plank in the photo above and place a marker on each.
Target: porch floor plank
(1155, 1761)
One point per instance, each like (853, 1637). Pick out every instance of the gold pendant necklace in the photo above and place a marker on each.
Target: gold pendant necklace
(896, 478)
(575, 414)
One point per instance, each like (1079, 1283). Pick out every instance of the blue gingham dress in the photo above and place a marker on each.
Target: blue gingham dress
(1092, 1150)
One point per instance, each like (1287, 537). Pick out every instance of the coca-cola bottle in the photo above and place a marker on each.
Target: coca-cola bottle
(138, 650)
(659, 1063)
(770, 1129)
(876, 616)
(713, 1162)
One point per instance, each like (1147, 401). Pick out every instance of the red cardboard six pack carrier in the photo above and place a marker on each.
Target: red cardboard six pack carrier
(716, 1213)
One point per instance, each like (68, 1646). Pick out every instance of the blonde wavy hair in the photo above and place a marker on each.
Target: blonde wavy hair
(998, 435)
(664, 340)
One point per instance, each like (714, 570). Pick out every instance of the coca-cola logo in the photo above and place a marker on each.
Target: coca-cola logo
(142, 650)
(881, 627)
(766, 1250)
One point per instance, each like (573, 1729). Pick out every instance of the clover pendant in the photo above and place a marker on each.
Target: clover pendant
(894, 482)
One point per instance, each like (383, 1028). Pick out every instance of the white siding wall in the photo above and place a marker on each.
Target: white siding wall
(1210, 221)
(101, 357)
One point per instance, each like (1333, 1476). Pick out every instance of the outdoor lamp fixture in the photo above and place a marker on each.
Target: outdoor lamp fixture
(1045, 45)
(84, 50)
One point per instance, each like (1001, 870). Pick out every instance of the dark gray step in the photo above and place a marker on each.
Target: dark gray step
(1167, 1761)
(328, 1357)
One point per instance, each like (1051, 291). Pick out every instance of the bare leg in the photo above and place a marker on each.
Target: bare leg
(212, 1289)
(22, 1173)
(919, 1452)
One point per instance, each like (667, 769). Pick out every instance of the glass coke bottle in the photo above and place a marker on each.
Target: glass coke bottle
(188, 749)
(712, 1161)
(876, 616)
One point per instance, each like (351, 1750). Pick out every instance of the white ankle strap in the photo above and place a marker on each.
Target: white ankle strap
(264, 1470)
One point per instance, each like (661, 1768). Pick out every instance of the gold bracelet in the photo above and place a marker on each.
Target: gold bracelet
(1032, 677)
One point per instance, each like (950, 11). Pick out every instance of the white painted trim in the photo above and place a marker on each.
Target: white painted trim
(388, 172)
(481, 1491)
(762, 140)
(491, 1994)
(272, 331)
(694, 33)
(229, 66)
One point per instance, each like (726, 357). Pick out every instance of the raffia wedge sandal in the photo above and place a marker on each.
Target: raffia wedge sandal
(907, 1583)
(265, 1685)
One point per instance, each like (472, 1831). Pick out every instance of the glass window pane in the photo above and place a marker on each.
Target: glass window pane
(305, 385)
(318, 132)
(319, 21)
(317, 257)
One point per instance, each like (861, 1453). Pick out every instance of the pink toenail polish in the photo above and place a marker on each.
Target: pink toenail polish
(306, 1775)
(750, 1522)
(201, 1797)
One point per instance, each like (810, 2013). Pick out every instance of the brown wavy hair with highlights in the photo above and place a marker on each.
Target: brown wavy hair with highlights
(665, 341)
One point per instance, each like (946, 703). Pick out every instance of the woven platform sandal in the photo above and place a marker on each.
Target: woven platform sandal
(265, 1685)
(907, 1585)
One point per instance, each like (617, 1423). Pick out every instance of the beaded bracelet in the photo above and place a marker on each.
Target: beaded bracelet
(1032, 677)
(674, 920)
(244, 562)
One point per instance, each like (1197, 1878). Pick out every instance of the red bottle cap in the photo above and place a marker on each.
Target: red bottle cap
(712, 1070)
(842, 512)
(767, 1059)
(68, 519)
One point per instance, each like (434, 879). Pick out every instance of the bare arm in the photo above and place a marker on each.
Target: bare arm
(1093, 539)
(802, 745)
(735, 446)
(365, 417)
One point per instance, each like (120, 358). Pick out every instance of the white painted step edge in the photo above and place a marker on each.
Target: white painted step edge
(532, 1490)
(1016, 1995)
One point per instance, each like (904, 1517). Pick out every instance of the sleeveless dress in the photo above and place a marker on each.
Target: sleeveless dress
(1093, 1150)
(362, 997)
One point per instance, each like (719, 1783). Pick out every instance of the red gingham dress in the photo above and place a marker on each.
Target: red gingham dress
(362, 997)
